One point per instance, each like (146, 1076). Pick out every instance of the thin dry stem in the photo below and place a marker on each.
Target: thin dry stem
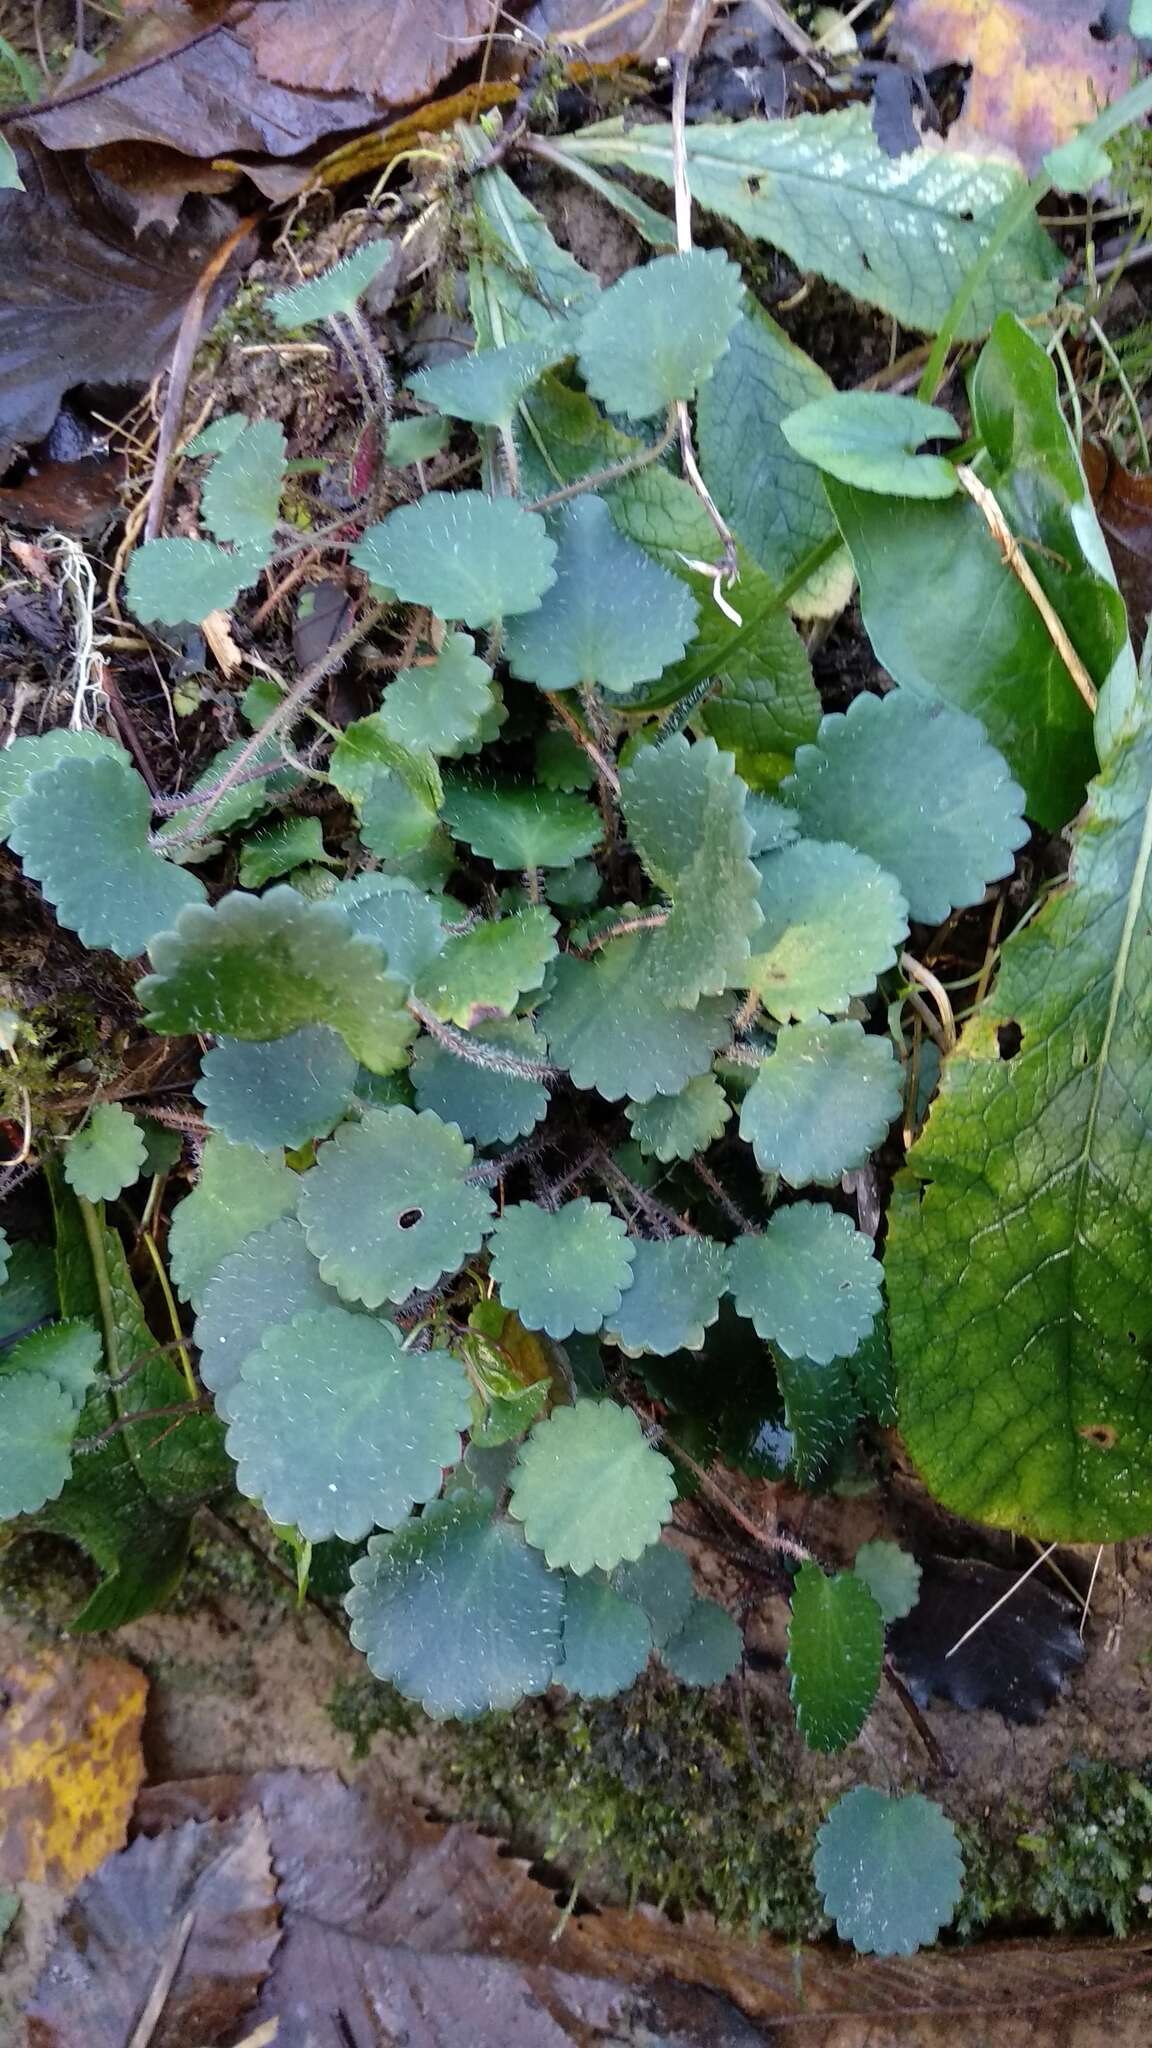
(1015, 560)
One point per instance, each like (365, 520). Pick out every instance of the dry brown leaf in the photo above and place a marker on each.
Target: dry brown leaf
(1038, 71)
(1124, 508)
(396, 49)
(601, 29)
(217, 631)
(70, 1764)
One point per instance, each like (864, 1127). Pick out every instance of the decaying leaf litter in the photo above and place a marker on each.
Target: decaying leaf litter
(1022, 534)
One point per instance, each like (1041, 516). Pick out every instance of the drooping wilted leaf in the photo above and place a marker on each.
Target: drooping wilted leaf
(809, 1282)
(611, 1029)
(462, 554)
(490, 966)
(822, 1102)
(656, 334)
(674, 1296)
(685, 809)
(889, 1870)
(891, 1575)
(707, 1648)
(832, 924)
(106, 1154)
(679, 1126)
(277, 1093)
(442, 706)
(178, 582)
(332, 291)
(613, 616)
(486, 1105)
(563, 1269)
(607, 1640)
(871, 438)
(270, 1278)
(835, 1651)
(521, 827)
(239, 1190)
(589, 1489)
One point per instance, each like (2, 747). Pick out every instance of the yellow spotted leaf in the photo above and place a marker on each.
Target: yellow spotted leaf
(71, 1764)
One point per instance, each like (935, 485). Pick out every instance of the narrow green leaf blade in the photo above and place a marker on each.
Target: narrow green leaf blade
(835, 1653)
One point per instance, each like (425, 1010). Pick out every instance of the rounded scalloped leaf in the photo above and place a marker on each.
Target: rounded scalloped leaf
(37, 1425)
(337, 1430)
(522, 828)
(810, 1283)
(67, 1353)
(179, 582)
(613, 616)
(832, 924)
(31, 755)
(660, 1581)
(443, 705)
(486, 387)
(560, 762)
(464, 555)
(332, 291)
(399, 916)
(610, 1029)
(81, 830)
(920, 789)
(239, 1191)
(679, 1126)
(889, 1870)
(562, 1269)
(707, 1648)
(870, 438)
(240, 500)
(260, 967)
(659, 331)
(589, 1488)
(280, 1092)
(486, 1105)
(457, 1611)
(267, 1280)
(891, 1575)
(607, 1641)
(106, 1155)
(822, 1102)
(388, 1207)
(685, 807)
(490, 967)
(835, 1656)
(674, 1296)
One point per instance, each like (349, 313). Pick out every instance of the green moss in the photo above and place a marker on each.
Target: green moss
(364, 1708)
(1084, 1861)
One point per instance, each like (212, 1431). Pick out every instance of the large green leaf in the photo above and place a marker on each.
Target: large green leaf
(610, 1028)
(563, 1269)
(485, 1104)
(832, 924)
(106, 1154)
(442, 706)
(457, 1611)
(673, 1299)
(589, 1489)
(1018, 1258)
(81, 830)
(26, 757)
(613, 616)
(462, 554)
(239, 1190)
(822, 1102)
(389, 1208)
(607, 1640)
(279, 1092)
(870, 438)
(835, 1653)
(809, 1282)
(917, 787)
(519, 825)
(337, 1430)
(659, 331)
(685, 809)
(889, 1870)
(679, 1126)
(897, 232)
(260, 967)
(270, 1278)
(489, 967)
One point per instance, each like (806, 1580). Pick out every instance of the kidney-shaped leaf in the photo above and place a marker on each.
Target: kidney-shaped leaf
(660, 1581)
(822, 1102)
(889, 1870)
(106, 1155)
(612, 1031)
(657, 333)
(870, 438)
(241, 496)
(270, 1278)
(835, 1653)
(589, 1489)
(442, 706)
(613, 616)
(563, 1269)
(832, 923)
(707, 1648)
(279, 1092)
(398, 915)
(810, 1282)
(178, 582)
(685, 809)
(607, 1640)
(673, 1299)
(337, 1430)
(891, 1575)
(679, 1126)
(464, 555)
(515, 826)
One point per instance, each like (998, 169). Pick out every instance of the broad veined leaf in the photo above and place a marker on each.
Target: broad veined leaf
(589, 1489)
(401, 917)
(260, 967)
(81, 830)
(707, 1648)
(891, 1575)
(613, 616)
(178, 582)
(919, 788)
(657, 333)
(239, 1190)
(489, 967)
(457, 1611)
(660, 1581)
(870, 438)
(832, 924)
(810, 1282)
(607, 1640)
(612, 1030)
(679, 1126)
(896, 232)
(673, 1299)
(240, 500)
(298, 842)
(487, 386)
(835, 1654)
(337, 1430)
(521, 282)
(388, 1206)
(1018, 1253)
(486, 1104)
(26, 757)
(270, 1278)
(443, 705)
(38, 1419)
(889, 1870)
(106, 1154)
(521, 827)
(563, 1269)
(462, 554)
(281, 1092)
(333, 291)
(822, 1102)
(821, 1410)
(685, 809)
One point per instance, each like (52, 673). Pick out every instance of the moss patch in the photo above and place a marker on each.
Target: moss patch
(1085, 1862)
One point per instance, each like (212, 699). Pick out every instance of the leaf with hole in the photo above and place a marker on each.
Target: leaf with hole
(835, 1654)
(589, 1489)
(521, 827)
(707, 1648)
(240, 500)
(239, 1191)
(442, 706)
(81, 830)
(486, 387)
(889, 1870)
(609, 1028)
(179, 582)
(464, 555)
(809, 1282)
(891, 1575)
(261, 967)
(490, 966)
(685, 810)
(388, 1206)
(832, 922)
(870, 438)
(457, 1611)
(562, 1269)
(613, 616)
(674, 1297)
(337, 1430)
(270, 1278)
(658, 332)
(607, 1640)
(105, 1155)
(331, 292)
(487, 1104)
(678, 1126)
(822, 1102)
(277, 1093)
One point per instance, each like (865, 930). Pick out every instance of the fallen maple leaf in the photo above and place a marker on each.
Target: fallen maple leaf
(396, 49)
(1039, 70)
(70, 1764)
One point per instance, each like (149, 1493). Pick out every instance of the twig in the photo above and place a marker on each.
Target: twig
(720, 1194)
(916, 971)
(649, 922)
(1014, 559)
(603, 766)
(165, 1977)
(647, 1204)
(942, 1763)
(1013, 1589)
(767, 1539)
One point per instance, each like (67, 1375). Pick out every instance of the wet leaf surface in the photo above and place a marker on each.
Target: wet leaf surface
(1017, 1663)
(70, 1764)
